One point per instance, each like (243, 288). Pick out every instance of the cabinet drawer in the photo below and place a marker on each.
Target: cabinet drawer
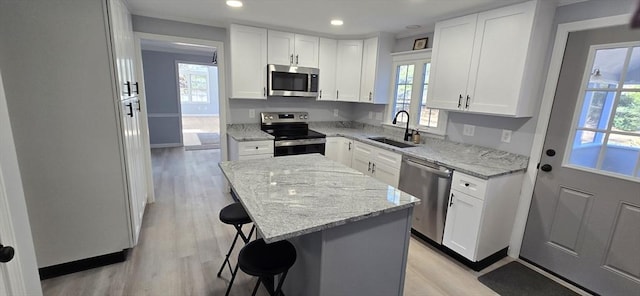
(388, 158)
(473, 186)
(255, 147)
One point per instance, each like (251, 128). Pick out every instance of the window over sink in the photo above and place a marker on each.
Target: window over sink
(411, 84)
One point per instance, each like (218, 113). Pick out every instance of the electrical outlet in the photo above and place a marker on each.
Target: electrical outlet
(335, 112)
(370, 114)
(469, 130)
(252, 113)
(378, 115)
(506, 136)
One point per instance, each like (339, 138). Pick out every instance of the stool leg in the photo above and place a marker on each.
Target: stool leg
(226, 259)
(280, 282)
(233, 277)
(255, 289)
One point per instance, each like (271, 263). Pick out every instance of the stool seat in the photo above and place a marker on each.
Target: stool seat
(260, 259)
(234, 214)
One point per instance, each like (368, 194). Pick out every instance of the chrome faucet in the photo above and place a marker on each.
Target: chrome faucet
(407, 135)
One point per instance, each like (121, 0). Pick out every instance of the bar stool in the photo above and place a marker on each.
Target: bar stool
(266, 261)
(234, 214)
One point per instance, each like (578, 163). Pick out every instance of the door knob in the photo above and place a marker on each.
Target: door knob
(550, 152)
(6, 253)
(546, 167)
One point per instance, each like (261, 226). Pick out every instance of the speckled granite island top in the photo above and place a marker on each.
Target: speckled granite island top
(294, 195)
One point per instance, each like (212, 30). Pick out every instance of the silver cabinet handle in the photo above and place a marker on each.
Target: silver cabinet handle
(296, 59)
(349, 146)
(337, 94)
(321, 94)
(264, 91)
(373, 168)
(459, 101)
(370, 95)
(291, 59)
(369, 169)
(451, 199)
(466, 106)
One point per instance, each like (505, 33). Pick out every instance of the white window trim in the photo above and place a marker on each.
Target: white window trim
(177, 63)
(419, 57)
(576, 116)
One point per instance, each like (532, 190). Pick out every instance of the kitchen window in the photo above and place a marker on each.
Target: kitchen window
(605, 137)
(409, 93)
(193, 81)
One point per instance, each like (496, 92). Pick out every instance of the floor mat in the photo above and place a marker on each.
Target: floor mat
(517, 279)
(209, 138)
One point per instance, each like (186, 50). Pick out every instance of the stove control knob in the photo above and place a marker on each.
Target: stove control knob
(301, 116)
(305, 117)
(270, 116)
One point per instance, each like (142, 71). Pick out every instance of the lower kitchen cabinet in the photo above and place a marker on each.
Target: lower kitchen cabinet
(481, 214)
(379, 163)
(339, 149)
(250, 149)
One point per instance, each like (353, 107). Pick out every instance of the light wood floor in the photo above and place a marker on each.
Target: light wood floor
(182, 244)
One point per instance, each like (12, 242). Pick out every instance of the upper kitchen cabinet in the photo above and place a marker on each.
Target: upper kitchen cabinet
(292, 49)
(248, 46)
(491, 62)
(327, 65)
(376, 69)
(348, 70)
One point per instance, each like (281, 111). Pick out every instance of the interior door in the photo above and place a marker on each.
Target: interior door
(585, 214)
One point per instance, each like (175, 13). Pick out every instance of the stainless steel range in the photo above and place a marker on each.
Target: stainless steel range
(292, 133)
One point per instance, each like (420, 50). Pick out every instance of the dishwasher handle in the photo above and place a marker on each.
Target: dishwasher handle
(442, 174)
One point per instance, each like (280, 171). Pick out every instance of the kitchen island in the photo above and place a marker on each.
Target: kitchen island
(350, 230)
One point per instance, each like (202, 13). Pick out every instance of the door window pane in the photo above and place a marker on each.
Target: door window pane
(621, 154)
(193, 81)
(586, 149)
(627, 116)
(428, 116)
(632, 79)
(596, 109)
(404, 86)
(607, 67)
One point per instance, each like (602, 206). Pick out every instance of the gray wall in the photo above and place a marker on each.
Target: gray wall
(318, 110)
(166, 27)
(162, 95)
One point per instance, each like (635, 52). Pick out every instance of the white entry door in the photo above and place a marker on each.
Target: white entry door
(18, 271)
(584, 220)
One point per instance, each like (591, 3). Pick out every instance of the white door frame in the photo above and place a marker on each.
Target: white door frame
(15, 230)
(221, 92)
(548, 97)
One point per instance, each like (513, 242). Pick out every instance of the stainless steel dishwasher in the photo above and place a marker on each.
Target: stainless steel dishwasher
(431, 183)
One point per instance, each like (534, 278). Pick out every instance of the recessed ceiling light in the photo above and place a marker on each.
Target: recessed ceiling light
(337, 22)
(234, 3)
(412, 27)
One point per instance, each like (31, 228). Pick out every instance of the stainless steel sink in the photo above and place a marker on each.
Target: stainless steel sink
(392, 142)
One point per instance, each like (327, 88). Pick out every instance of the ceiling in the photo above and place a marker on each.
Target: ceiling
(361, 17)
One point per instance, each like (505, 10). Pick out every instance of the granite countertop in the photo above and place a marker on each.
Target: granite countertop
(478, 161)
(247, 132)
(294, 195)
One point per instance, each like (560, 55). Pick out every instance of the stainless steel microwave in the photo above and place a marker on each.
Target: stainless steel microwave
(290, 81)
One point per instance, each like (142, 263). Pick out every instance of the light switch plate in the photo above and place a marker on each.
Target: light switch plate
(469, 130)
(370, 114)
(252, 113)
(335, 112)
(506, 136)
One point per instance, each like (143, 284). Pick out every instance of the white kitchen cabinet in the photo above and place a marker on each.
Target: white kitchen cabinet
(327, 64)
(376, 69)
(248, 46)
(491, 62)
(339, 149)
(481, 214)
(292, 49)
(348, 70)
(249, 149)
(381, 164)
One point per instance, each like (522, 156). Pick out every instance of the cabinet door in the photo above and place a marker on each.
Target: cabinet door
(306, 51)
(385, 173)
(332, 148)
(348, 70)
(327, 64)
(369, 58)
(346, 152)
(462, 224)
(450, 62)
(499, 54)
(248, 62)
(281, 48)
(361, 162)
